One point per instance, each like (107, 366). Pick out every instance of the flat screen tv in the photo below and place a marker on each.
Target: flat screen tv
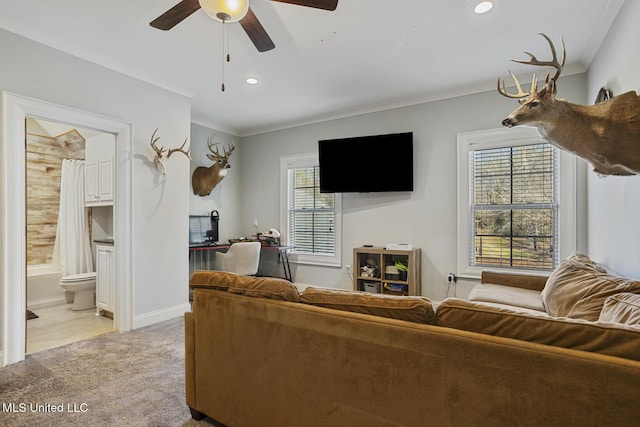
(367, 164)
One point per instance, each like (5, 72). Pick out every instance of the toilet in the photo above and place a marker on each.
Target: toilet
(80, 289)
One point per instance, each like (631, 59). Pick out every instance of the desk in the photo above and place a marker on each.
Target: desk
(202, 257)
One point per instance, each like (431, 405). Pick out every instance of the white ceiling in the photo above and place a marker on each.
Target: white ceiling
(367, 55)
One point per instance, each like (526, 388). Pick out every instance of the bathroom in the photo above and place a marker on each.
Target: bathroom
(55, 316)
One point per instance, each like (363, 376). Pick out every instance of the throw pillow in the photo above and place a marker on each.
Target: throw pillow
(578, 288)
(622, 308)
(410, 308)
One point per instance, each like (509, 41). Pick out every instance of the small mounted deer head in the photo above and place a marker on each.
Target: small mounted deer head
(205, 179)
(607, 134)
(162, 155)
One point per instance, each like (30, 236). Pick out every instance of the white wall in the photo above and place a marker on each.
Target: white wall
(160, 203)
(614, 202)
(225, 196)
(426, 217)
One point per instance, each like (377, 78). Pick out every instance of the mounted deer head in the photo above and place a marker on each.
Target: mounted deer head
(205, 179)
(607, 134)
(162, 155)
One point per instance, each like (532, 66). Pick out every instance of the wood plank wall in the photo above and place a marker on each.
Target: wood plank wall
(44, 168)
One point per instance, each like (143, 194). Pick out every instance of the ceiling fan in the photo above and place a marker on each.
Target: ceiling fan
(227, 11)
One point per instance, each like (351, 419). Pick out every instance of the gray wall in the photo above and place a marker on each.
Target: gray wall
(226, 197)
(160, 203)
(614, 202)
(427, 217)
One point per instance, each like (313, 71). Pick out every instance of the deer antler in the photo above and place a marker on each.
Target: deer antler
(180, 150)
(159, 151)
(554, 61)
(535, 61)
(216, 152)
(162, 155)
(210, 142)
(502, 89)
(233, 147)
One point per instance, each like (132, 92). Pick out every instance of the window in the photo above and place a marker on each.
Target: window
(509, 210)
(310, 219)
(514, 206)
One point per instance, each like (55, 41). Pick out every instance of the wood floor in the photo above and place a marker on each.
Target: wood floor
(59, 325)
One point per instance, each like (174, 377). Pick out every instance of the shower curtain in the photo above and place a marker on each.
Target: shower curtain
(72, 248)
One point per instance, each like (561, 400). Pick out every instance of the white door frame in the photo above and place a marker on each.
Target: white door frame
(15, 109)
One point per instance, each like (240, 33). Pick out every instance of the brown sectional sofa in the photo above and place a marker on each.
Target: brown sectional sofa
(580, 306)
(258, 353)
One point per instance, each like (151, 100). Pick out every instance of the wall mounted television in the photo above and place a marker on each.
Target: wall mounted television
(366, 164)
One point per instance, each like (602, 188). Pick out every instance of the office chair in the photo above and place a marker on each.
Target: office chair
(241, 258)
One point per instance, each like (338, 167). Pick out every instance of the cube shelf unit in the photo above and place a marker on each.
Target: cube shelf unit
(381, 281)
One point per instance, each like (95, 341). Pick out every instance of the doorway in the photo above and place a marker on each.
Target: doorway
(15, 110)
(63, 232)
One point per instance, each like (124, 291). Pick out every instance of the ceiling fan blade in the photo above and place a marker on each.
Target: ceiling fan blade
(256, 32)
(175, 15)
(318, 4)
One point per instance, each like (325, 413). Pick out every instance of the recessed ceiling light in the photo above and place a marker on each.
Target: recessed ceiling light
(483, 7)
(251, 81)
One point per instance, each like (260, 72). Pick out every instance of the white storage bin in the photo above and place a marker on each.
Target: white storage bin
(373, 287)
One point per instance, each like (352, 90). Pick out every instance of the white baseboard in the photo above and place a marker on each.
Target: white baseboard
(46, 302)
(160, 315)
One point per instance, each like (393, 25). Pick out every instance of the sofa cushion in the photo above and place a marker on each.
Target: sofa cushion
(514, 280)
(209, 279)
(539, 327)
(411, 308)
(507, 295)
(622, 308)
(265, 287)
(578, 288)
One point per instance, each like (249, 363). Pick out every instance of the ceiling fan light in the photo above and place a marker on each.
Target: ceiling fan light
(225, 10)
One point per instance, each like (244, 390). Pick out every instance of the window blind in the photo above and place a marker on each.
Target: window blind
(514, 202)
(311, 213)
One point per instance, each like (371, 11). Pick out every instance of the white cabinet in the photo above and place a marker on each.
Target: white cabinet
(105, 278)
(99, 170)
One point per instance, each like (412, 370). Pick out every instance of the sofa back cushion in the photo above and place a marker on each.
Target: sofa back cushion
(622, 308)
(209, 279)
(410, 308)
(539, 327)
(578, 288)
(264, 287)
(514, 280)
(508, 295)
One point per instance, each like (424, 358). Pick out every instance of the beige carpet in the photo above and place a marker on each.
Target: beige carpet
(129, 379)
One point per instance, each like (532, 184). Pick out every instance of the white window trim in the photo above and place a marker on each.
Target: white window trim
(567, 197)
(301, 161)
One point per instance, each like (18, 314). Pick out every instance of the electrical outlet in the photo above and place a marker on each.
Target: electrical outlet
(255, 222)
(347, 268)
(451, 278)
